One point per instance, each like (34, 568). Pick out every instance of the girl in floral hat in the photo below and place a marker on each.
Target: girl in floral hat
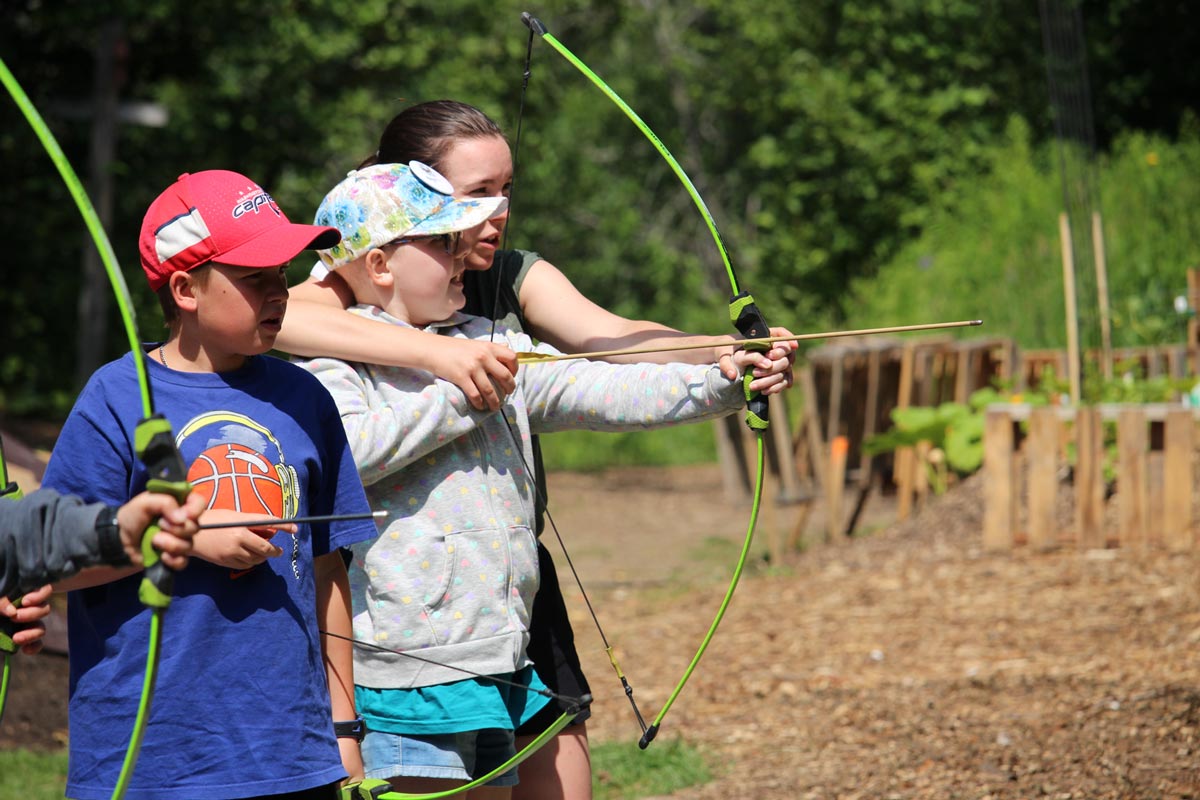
(451, 580)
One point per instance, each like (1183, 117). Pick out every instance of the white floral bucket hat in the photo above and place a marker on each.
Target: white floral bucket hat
(384, 202)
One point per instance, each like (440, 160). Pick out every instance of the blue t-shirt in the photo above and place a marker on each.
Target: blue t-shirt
(241, 707)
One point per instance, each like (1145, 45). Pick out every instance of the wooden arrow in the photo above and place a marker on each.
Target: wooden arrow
(542, 358)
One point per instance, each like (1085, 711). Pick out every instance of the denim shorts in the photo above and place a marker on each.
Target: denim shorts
(455, 756)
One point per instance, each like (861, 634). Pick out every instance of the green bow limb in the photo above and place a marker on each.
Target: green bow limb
(381, 790)
(748, 320)
(154, 442)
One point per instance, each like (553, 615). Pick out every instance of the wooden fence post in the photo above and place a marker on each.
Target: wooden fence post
(1178, 438)
(1131, 476)
(869, 415)
(1042, 477)
(785, 456)
(1000, 489)
(903, 462)
(1089, 478)
(731, 455)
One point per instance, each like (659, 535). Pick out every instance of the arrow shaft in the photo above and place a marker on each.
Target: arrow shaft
(535, 358)
(265, 523)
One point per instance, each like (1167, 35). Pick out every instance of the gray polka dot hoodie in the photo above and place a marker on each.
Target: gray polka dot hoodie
(453, 573)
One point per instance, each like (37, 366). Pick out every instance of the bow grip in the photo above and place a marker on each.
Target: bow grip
(749, 321)
(365, 790)
(156, 448)
(8, 629)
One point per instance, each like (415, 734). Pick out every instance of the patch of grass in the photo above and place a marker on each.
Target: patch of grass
(621, 770)
(33, 776)
(714, 549)
(587, 450)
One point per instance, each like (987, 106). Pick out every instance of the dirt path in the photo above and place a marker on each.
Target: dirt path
(907, 664)
(910, 664)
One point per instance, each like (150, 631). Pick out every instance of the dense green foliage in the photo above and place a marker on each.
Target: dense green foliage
(582, 450)
(826, 136)
(994, 253)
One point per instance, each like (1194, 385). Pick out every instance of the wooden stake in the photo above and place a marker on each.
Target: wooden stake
(1000, 489)
(811, 424)
(872, 411)
(1102, 295)
(1068, 262)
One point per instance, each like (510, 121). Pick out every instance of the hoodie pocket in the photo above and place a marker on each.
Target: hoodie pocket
(489, 578)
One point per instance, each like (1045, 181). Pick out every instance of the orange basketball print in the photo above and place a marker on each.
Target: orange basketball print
(236, 478)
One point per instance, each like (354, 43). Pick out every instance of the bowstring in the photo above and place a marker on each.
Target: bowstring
(539, 494)
(569, 700)
(541, 498)
(512, 184)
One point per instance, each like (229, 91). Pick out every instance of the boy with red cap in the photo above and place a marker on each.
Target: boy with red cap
(247, 684)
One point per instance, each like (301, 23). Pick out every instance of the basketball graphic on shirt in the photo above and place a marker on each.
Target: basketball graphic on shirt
(239, 465)
(233, 476)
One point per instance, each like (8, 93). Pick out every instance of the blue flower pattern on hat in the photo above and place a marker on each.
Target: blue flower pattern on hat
(379, 204)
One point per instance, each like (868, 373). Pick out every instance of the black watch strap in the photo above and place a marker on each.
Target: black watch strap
(354, 729)
(108, 535)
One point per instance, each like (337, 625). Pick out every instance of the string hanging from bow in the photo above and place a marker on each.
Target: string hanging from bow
(154, 442)
(749, 322)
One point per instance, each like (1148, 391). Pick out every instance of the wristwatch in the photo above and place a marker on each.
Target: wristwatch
(108, 536)
(354, 729)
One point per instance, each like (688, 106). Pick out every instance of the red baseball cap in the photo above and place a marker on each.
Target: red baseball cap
(222, 216)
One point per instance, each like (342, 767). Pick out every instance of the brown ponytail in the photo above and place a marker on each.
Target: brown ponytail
(426, 131)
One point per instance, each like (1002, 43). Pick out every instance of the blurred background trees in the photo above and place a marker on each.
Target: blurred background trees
(867, 162)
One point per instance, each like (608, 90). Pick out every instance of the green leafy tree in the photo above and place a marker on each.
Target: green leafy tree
(825, 136)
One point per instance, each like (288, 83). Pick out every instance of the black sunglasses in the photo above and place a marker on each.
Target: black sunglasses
(450, 241)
